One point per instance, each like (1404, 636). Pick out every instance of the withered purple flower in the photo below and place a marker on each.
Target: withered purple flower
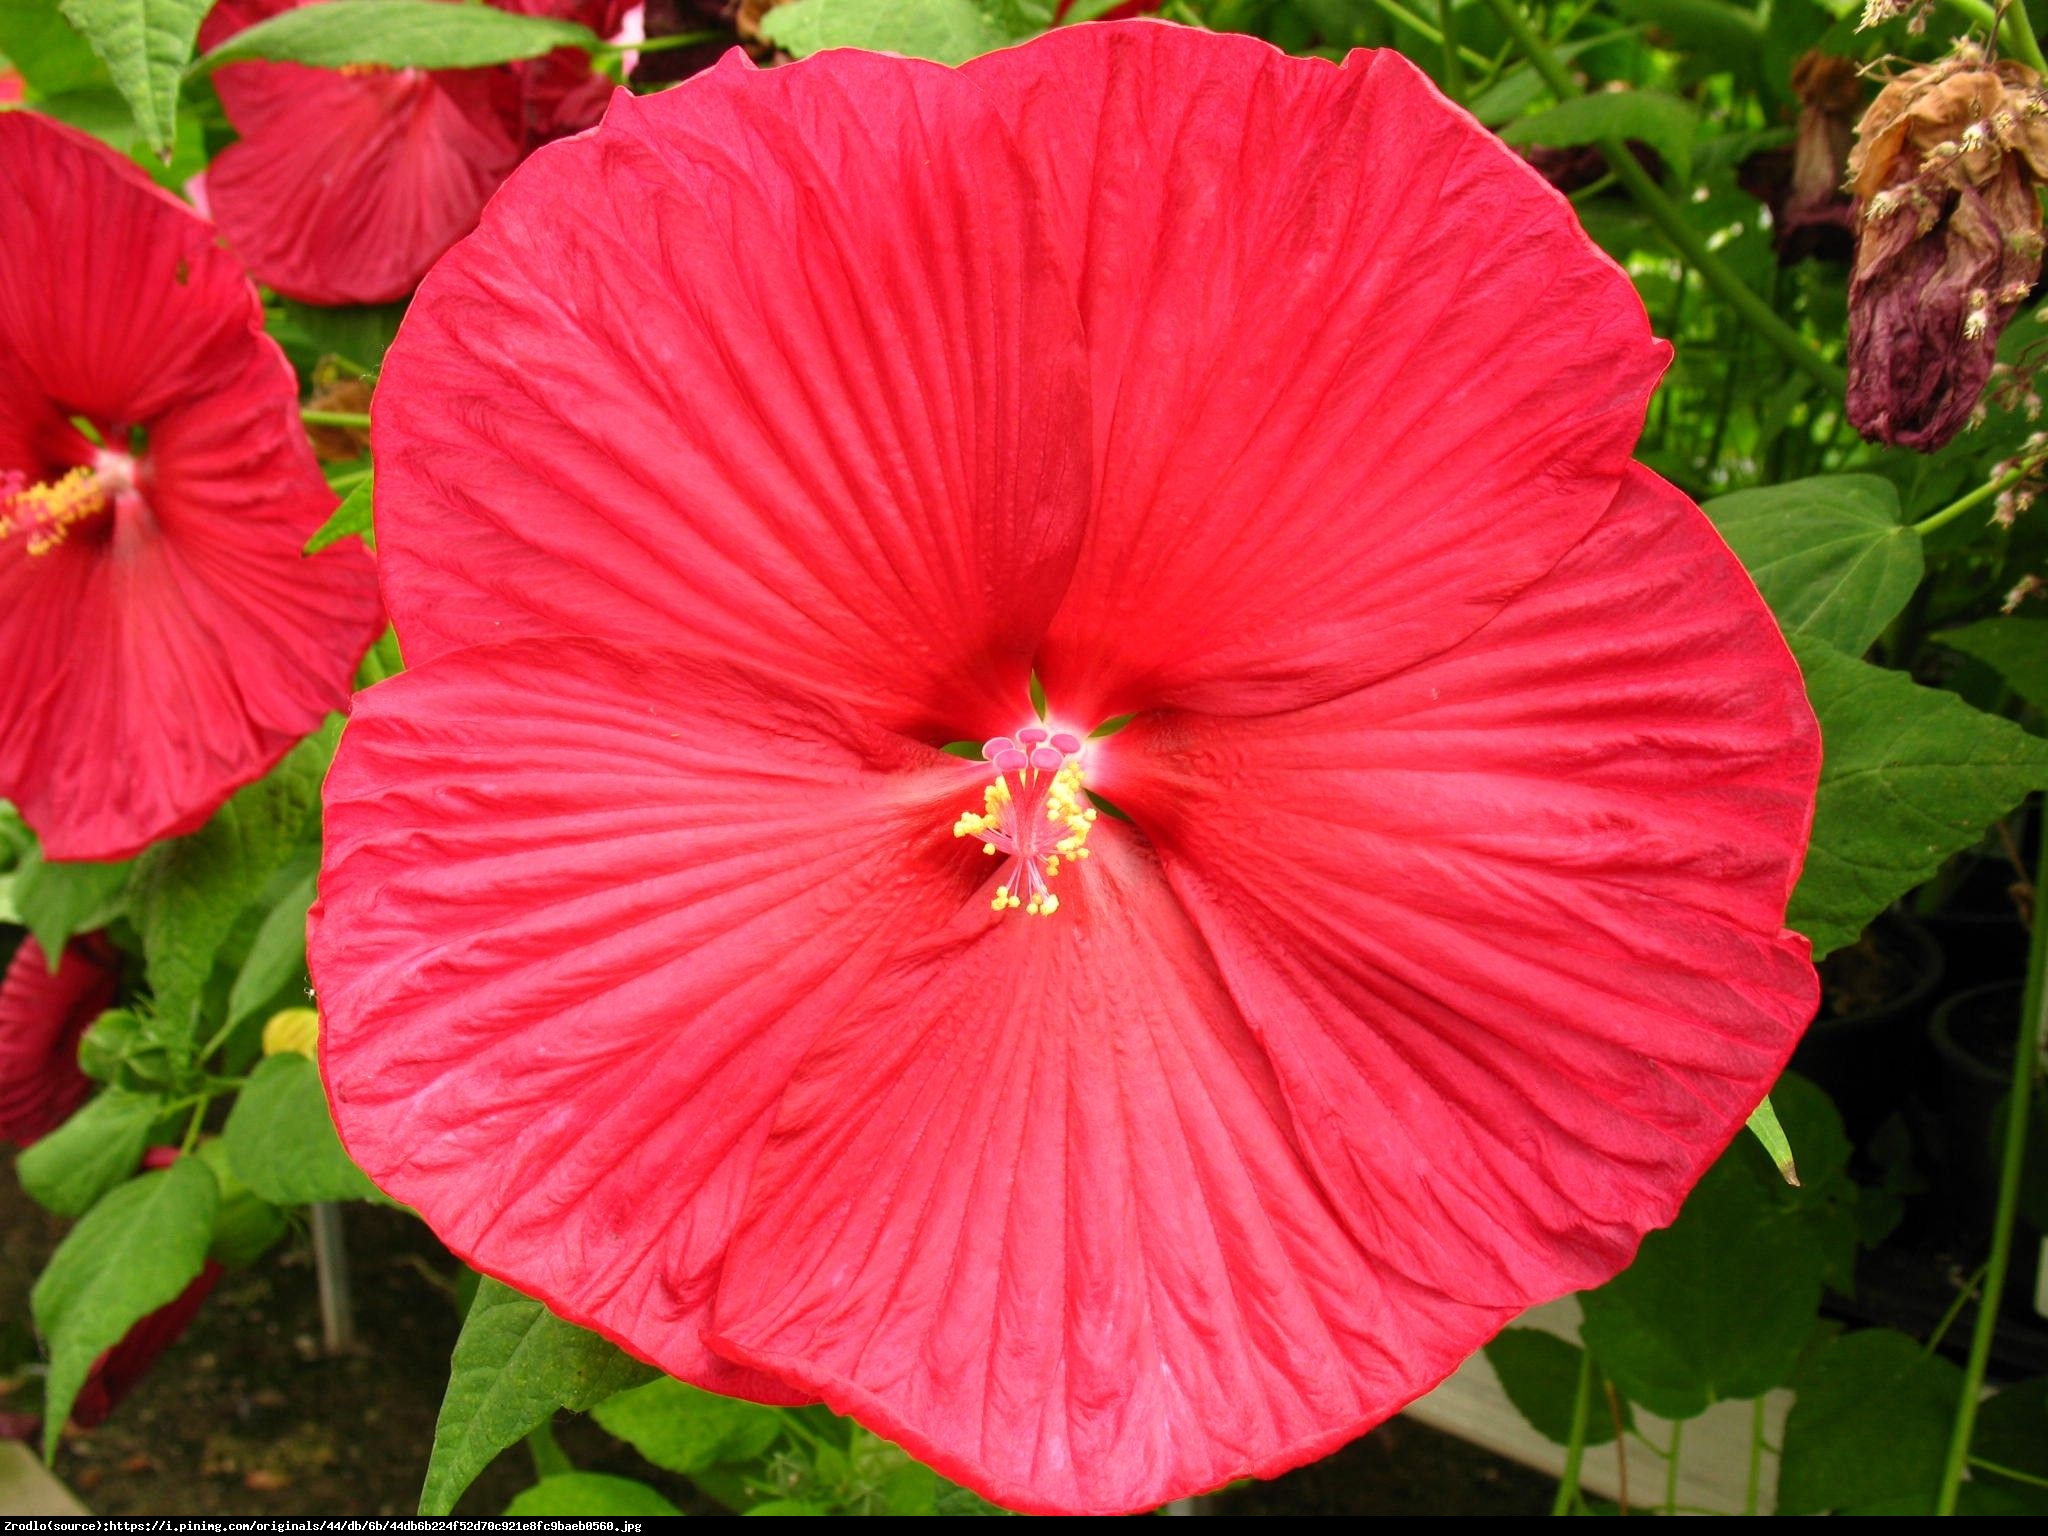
(1949, 240)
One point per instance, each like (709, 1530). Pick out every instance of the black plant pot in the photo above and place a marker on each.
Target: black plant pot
(1973, 1035)
(1978, 924)
(1868, 1045)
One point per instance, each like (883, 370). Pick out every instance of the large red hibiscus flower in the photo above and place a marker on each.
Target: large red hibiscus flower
(1424, 945)
(345, 185)
(44, 1010)
(162, 640)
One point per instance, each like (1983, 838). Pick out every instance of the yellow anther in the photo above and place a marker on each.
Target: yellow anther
(1035, 847)
(47, 512)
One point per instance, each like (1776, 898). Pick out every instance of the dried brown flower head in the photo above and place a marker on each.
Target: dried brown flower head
(1811, 213)
(1948, 243)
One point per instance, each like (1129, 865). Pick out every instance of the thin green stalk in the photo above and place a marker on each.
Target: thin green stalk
(663, 44)
(1408, 18)
(357, 420)
(2017, 33)
(1671, 1469)
(2026, 1056)
(1976, 498)
(1955, 1310)
(548, 1457)
(1754, 1491)
(2019, 36)
(2032, 1480)
(1670, 219)
(1575, 1447)
(1454, 67)
(194, 1125)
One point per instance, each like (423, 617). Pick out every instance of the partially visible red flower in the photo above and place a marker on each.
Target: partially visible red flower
(1272, 402)
(42, 1015)
(345, 185)
(162, 639)
(115, 1374)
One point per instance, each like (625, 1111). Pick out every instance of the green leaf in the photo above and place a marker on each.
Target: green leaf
(187, 893)
(1667, 124)
(2016, 649)
(1540, 1373)
(51, 56)
(276, 955)
(1763, 1125)
(60, 901)
(2012, 1432)
(244, 1225)
(145, 45)
(281, 1141)
(90, 1153)
(406, 34)
(132, 1253)
(589, 1493)
(1727, 33)
(950, 31)
(1869, 1429)
(1909, 775)
(1717, 1305)
(1829, 554)
(357, 334)
(1827, 1205)
(514, 1365)
(350, 520)
(685, 1429)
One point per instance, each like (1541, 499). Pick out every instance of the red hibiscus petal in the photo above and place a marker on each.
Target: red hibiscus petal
(804, 383)
(165, 655)
(42, 1015)
(344, 189)
(582, 912)
(1359, 376)
(1509, 923)
(1034, 1209)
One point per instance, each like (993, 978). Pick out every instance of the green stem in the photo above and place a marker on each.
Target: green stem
(663, 44)
(1670, 218)
(357, 420)
(1575, 1447)
(1976, 498)
(2017, 33)
(193, 1126)
(2030, 1479)
(1671, 1469)
(2026, 1057)
(548, 1458)
(1454, 66)
(2019, 36)
(1955, 1310)
(1408, 18)
(1754, 1490)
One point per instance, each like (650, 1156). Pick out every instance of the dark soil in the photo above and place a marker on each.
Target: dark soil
(246, 1416)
